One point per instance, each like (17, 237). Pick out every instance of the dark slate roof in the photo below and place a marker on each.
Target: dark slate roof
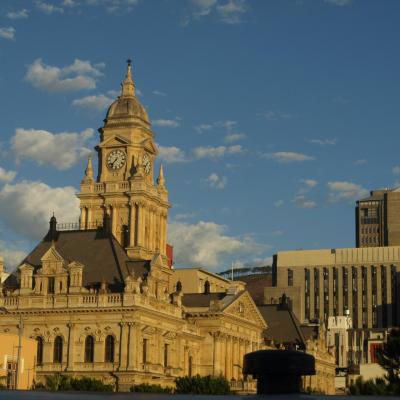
(255, 285)
(283, 326)
(102, 256)
(195, 300)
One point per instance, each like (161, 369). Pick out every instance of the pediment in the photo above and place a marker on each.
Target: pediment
(115, 140)
(75, 265)
(149, 145)
(25, 267)
(244, 307)
(157, 261)
(52, 255)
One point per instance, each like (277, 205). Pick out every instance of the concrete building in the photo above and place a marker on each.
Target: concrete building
(99, 296)
(378, 219)
(360, 282)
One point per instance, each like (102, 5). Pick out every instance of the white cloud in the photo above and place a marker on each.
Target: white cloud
(68, 3)
(310, 182)
(303, 202)
(228, 11)
(360, 162)
(203, 127)
(234, 137)
(279, 203)
(159, 93)
(396, 170)
(55, 79)
(7, 176)
(12, 255)
(166, 123)
(62, 150)
(286, 157)
(339, 2)
(207, 244)
(215, 152)
(232, 11)
(48, 8)
(97, 102)
(171, 154)
(7, 33)
(216, 181)
(343, 190)
(26, 207)
(323, 142)
(21, 14)
(271, 115)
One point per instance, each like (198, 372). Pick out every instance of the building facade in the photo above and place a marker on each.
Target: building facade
(362, 283)
(100, 298)
(378, 219)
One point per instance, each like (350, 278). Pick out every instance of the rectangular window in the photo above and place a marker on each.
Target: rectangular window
(145, 344)
(316, 293)
(290, 277)
(166, 350)
(51, 283)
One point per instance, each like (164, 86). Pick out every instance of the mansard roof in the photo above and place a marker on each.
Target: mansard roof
(104, 259)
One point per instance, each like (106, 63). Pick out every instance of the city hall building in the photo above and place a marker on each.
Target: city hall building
(100, 298)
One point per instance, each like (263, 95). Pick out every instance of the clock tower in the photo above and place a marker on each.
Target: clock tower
(124, 193)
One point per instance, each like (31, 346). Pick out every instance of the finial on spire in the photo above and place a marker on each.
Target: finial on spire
(128, 87)
(161, 179)
(89, 168)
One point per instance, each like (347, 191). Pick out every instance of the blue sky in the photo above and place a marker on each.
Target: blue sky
(272, 117)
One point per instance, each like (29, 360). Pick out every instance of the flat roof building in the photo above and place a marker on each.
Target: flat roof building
(378, 219)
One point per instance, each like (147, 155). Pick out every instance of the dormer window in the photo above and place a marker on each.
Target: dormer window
(50, 287)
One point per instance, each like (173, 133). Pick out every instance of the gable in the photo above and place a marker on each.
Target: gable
(149, 146)
(115, 141)
(244, 307)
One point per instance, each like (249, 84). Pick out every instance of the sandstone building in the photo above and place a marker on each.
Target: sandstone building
(100, 298)
(378, 219)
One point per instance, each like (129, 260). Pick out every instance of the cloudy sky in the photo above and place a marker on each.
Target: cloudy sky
(272, 117)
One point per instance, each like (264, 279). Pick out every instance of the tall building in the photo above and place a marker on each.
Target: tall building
(362, 283)
(99, 297)
(378, 219)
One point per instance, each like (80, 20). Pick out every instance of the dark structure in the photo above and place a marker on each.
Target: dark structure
(278, 371)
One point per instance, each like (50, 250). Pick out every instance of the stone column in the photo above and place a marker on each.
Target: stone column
(114, 219)
(123, 347)
(83, 218)
(132, 224)
(379, 296)
(71, 346)
(339, 290)
(140, 225)
(312, 294)
(89, 217)
(151, 228)
(132, 345)
(99, 349)
(369, 296)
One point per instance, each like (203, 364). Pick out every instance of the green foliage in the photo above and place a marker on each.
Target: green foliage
(146, 388)
(377, 387)
(389, 359)
(61, 382)
(202, 385)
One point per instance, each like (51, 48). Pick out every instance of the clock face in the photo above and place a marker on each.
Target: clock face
(116, 159)
(146, 164)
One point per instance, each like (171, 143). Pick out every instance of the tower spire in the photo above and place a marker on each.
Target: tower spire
(128, 86)
(161, 179)
(89, 168)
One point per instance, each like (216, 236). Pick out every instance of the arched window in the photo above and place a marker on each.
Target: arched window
(58, 350)
(109, 350)
(39, 351)
(89, 349)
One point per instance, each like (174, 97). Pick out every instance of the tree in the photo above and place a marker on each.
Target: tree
(389, 359)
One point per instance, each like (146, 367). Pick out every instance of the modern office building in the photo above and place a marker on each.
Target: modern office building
(378, 219)
(362, 283)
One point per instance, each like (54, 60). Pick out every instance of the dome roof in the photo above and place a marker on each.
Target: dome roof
(127, 110)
